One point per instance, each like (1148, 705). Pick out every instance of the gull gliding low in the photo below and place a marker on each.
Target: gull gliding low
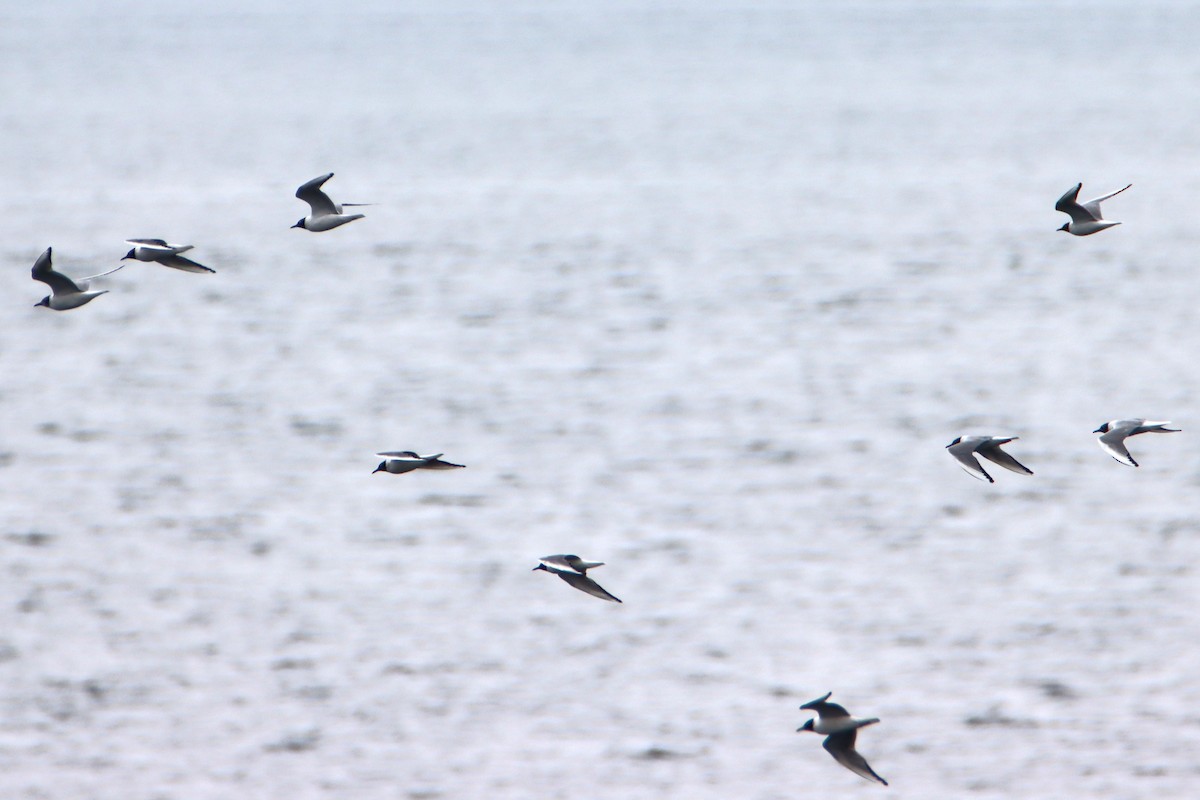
(840, 730)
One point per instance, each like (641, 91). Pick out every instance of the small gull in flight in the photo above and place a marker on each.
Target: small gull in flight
(964, 447)
(326, 214)
(1113, 435)
(65, 293)
(161, 252)
(573, 570)
(840, 730)
(1086, 218)
(400, 461)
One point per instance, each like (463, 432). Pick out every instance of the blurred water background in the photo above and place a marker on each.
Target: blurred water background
(700, 290)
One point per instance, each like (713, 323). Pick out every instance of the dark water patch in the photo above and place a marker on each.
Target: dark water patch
(297, 742)
(312, 428)
(657, 753)
(453, 500)
(32, 538)
(1057, 690)
(995, 717)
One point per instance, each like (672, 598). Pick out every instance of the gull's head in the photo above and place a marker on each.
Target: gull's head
(1066, 227)
(957, 439)
(381, 468)
(128, 255)
(45, 302)
(299, 224)
(808, 726)
(539, 566)
(1102, 429)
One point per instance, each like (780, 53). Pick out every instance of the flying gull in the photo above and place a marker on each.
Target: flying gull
(840, 730)
(573, 570)
(400, 461)
(65, 293)
(964, 447)
(160, 252)
(1085, 217)
(326, 214)
(1114, 433)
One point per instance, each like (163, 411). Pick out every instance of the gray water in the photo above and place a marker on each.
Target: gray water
(698, 291)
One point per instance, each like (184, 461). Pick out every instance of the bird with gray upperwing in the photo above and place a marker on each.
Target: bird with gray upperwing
(400, 461)
(964, 449)
(1113, 434)
(159, 251)
(573, 570)
(1086, 218)
(326, 214)
(840, 730)
(65, 293)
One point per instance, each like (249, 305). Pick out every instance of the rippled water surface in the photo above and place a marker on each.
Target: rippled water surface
(699, 291)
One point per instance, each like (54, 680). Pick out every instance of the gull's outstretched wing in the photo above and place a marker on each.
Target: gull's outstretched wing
(825, 709)
(185, 264)
(585, 584)
(1068, 204)
(841, 747)
(43, 270)
(1113, 443)
(1148, 426)
(993, 453)
(311, 193)
(1093, 206)
(964, 453)
(84, 282)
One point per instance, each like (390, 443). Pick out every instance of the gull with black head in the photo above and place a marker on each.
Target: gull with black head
(398, 462)
(573, 570)
(159, 251)
(326, 214)
(1086, 218)
(1113, 434)
(65, 293)
(840, 731)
